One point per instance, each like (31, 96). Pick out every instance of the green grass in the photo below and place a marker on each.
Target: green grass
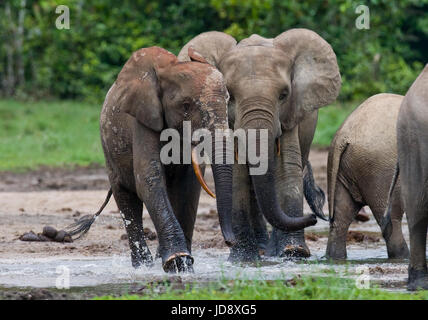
(56, 134)
(305, 288)
(65, 133)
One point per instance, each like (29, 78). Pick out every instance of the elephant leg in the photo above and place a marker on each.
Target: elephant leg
(345, 210)
(131, 208)
(184, 191)
(395, 244)
(289, 188)
(151, 187)
(417, 218)
(258, 223)
(246, 246)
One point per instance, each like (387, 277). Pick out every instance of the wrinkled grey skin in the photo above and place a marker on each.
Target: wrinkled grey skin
(276, 84)
(412, 144)
(361, 164)
(155, 91)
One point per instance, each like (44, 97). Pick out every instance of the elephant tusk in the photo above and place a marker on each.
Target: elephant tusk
(199, 174)
(278, 147)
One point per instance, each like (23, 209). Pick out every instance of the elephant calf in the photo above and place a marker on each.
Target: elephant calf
(361, 164)
(153, 92)
(412, 144)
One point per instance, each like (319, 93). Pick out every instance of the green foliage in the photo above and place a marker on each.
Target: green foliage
(83, 62)
(305, 288)
(48, 133)
(329, 120)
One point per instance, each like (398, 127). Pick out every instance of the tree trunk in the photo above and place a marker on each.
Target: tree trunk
(19, 45)
(10, 74)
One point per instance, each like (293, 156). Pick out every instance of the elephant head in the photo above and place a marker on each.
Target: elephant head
(273, 84)
(161, 92)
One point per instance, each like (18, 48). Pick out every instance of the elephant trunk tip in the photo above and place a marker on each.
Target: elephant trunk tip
(229, 239)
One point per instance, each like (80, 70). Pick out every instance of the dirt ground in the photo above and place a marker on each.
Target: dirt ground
(58, 197)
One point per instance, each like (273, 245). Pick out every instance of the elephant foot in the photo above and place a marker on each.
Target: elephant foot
(287, 245)
(336, 256)
(178, 262)
(239, 255)
(296, 251)
(362, 216)
(400, 251)
(142, 259)
(336, 250)
(262, 243)
(418, 280)
(142, 263)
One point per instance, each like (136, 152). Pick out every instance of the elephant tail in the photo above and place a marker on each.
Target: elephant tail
(386, 223)
(82, 226)
(314, 195)
(337, 148)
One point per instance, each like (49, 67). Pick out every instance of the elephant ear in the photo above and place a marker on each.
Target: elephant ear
(315, 76)
(138, 89)
(195, 56)
(211, 45)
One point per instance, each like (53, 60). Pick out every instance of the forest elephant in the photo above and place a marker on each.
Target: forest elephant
(153, 92)
(412, 168)
(275, 85)
(361, 165)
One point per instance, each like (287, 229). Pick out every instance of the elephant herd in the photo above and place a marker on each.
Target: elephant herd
(276, 85)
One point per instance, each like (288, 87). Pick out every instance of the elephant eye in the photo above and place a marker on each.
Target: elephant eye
(283, 95)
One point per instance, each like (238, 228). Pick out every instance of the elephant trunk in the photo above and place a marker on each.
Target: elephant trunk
(223, 185)
(215, 120)
(222, 173)
(264, 184)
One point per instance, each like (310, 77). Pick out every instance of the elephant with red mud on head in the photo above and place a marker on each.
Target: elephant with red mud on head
(153, 92)
(412, 168)
(277, 85)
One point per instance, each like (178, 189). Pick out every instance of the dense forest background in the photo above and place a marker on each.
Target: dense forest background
(38, 61)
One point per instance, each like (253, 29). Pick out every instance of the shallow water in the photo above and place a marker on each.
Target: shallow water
(210, 265)
(114, 274)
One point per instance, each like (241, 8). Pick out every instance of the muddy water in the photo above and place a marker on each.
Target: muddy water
(210, 265)
(115, 270)
(100, 263)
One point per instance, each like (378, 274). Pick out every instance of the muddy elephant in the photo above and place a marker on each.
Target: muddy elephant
(277, 85)
(361, 164)
(153, 92)
(412, 168)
